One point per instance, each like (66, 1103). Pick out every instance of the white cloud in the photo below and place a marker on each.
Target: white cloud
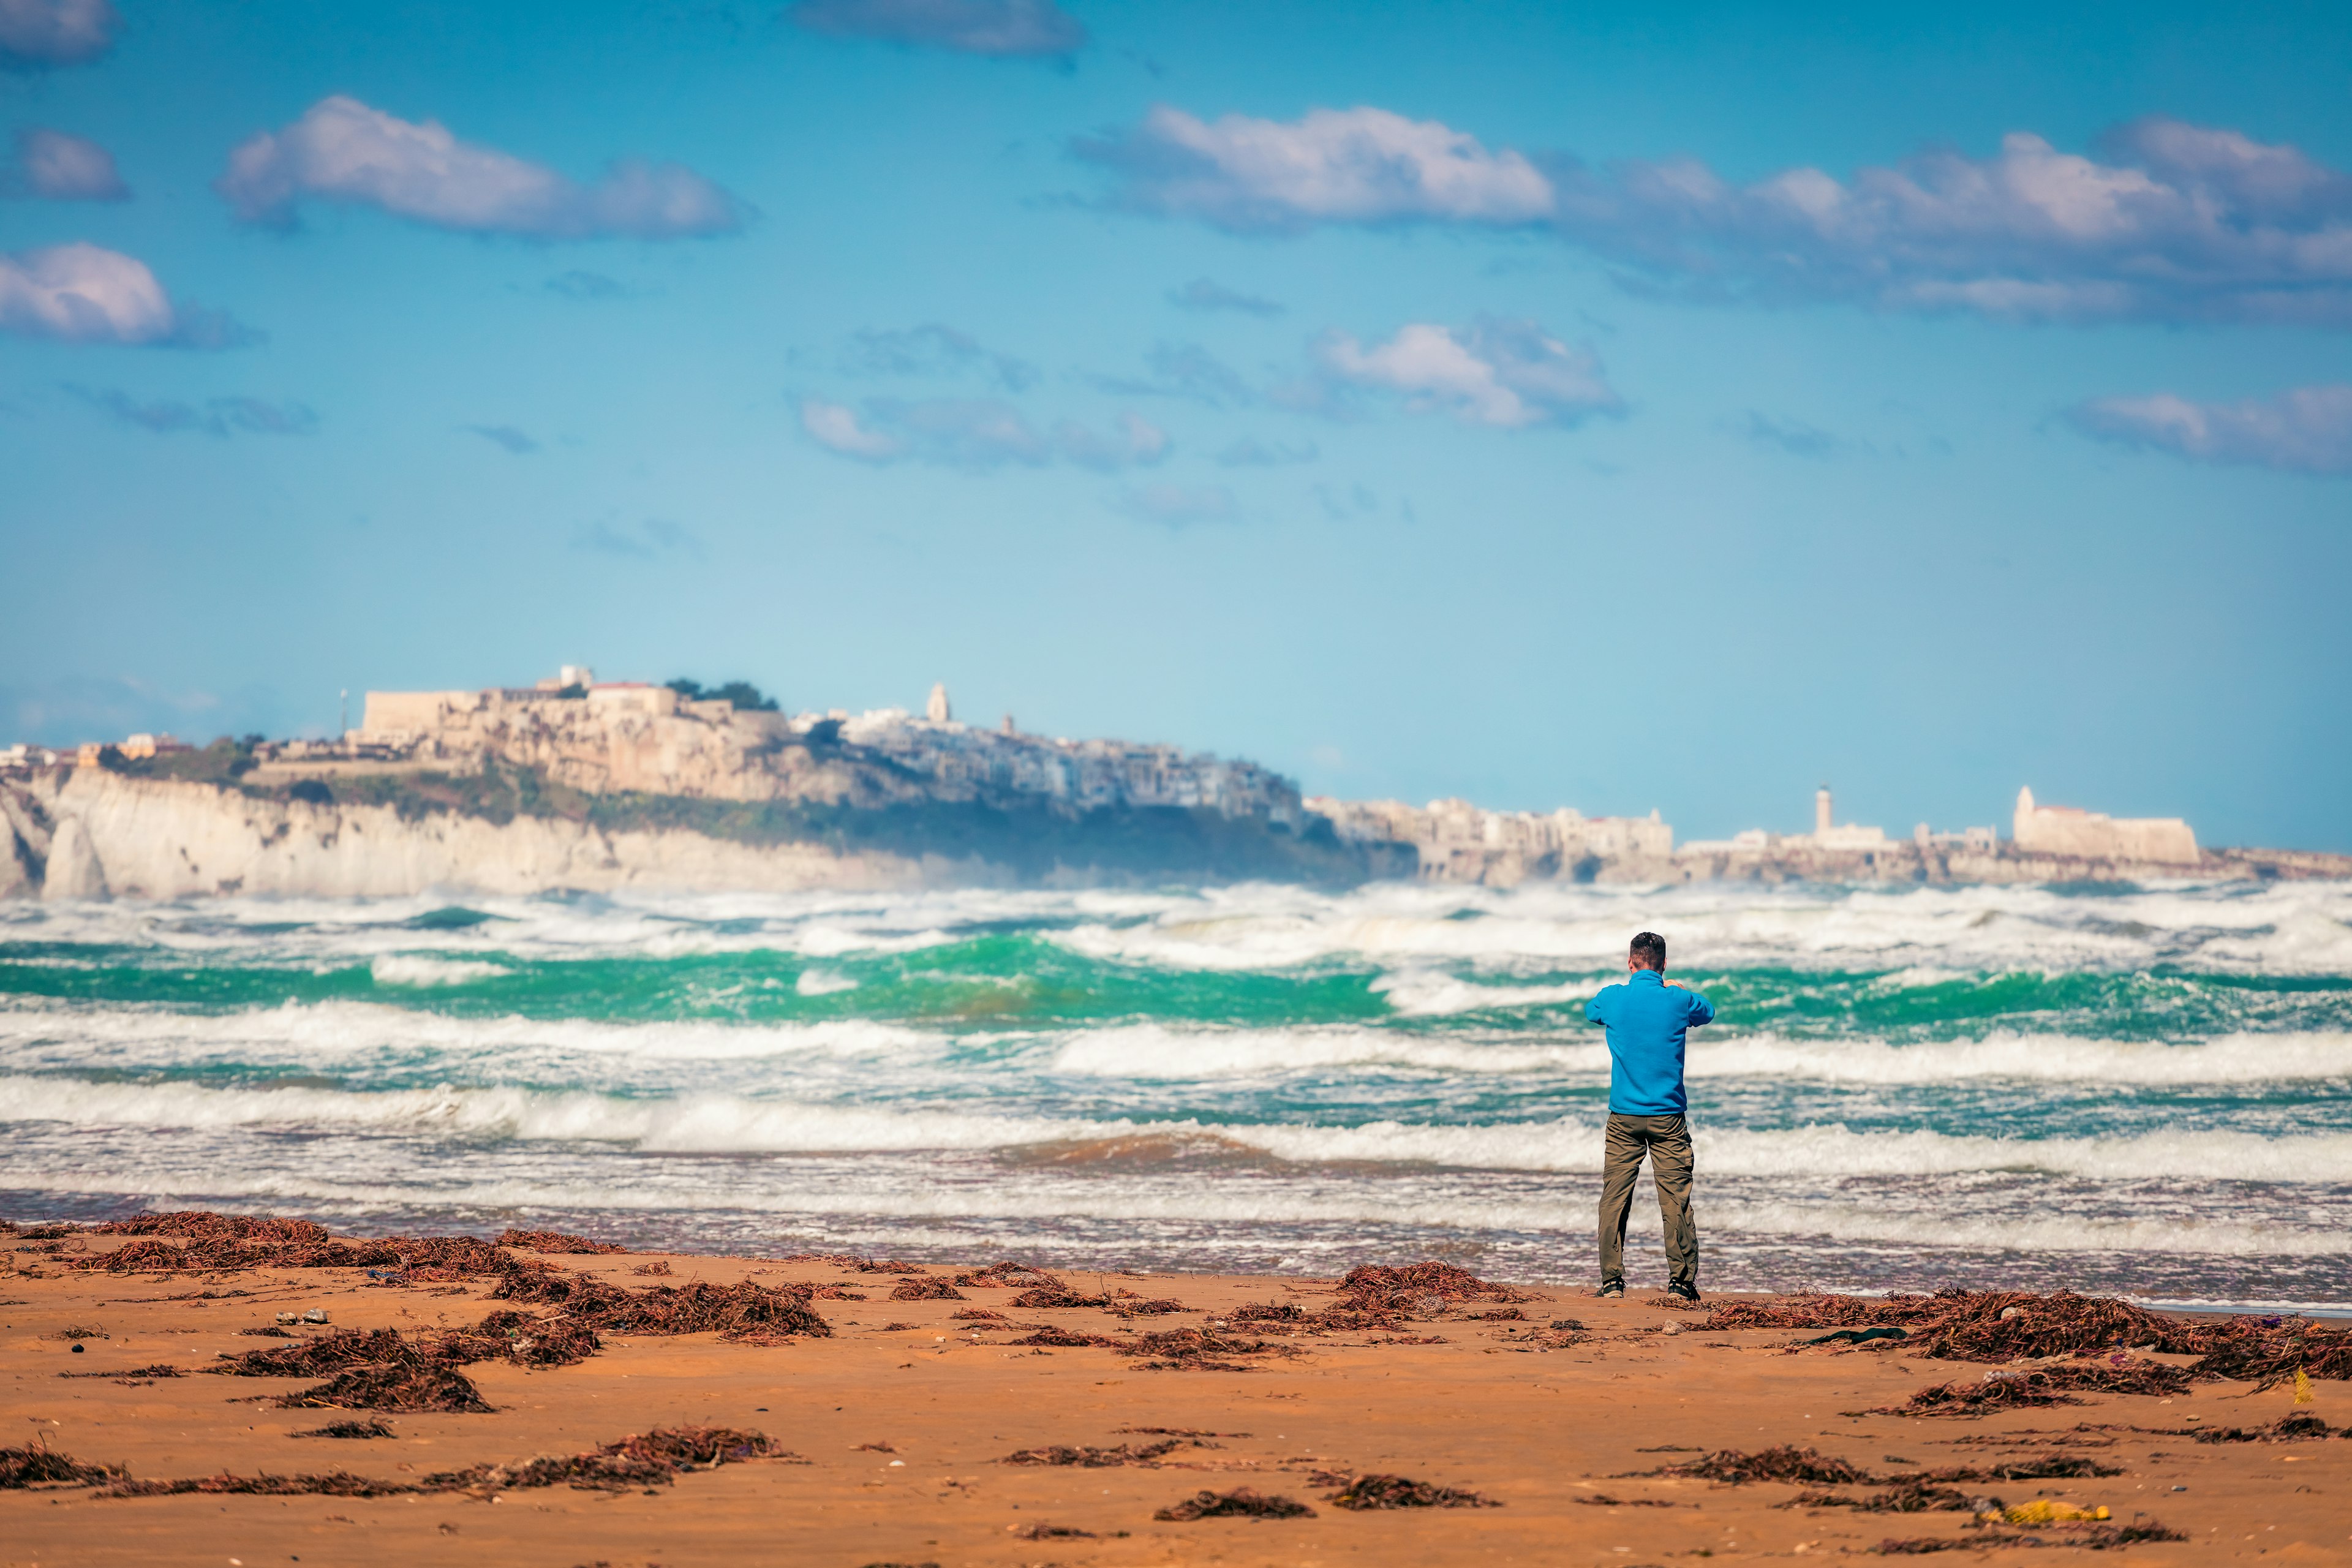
(2168, 221)
(2308, 429)
(1178, 506)
(975, 433)
(56, 32)
(1006, 29)
(1506, 374)
(85, 293)
(1352, 166)
(836, 428)
(54, 166)
(342, 151)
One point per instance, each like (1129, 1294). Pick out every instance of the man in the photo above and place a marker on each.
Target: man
(1648, 1018)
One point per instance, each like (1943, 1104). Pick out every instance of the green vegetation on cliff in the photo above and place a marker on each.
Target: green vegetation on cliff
(1033, 843)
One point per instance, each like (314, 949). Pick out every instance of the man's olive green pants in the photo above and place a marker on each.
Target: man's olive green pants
(1666, 1140)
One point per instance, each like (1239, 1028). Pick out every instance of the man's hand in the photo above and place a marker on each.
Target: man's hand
(1675, 983)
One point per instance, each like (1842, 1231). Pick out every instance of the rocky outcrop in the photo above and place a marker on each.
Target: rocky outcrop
(74, 871)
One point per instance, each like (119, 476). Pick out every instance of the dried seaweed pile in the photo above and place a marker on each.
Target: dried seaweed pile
(35, 1465)
(554, 1241)
(2016, 1325)
(1054, 1334)
(2268, 1351)
(330, 1483)
(855, 1264)
(1785, 1462)
(2087, 1537)
(161, 1369)
(1196, 1349)
(1909, 1496)
(2055, 1385)
(1094, 1459)
(1979, 1325)
(1006, 1275)
(2048, 1467)
(1824, 1310)
(927, 1288)
(420, 1385)
(296, 1244)
(1243, 1502)
(739, 1311)
(1384, 1296)
(2285, 1429)
(348, 1430)
(2000, 1326)
(645, 1459)
(1376, 1491)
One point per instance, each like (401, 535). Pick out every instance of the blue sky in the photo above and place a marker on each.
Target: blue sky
(1548, 407)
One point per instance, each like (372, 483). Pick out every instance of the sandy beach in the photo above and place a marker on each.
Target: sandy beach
(892, 1437)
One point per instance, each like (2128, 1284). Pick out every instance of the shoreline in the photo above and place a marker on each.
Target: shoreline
(900, 1416)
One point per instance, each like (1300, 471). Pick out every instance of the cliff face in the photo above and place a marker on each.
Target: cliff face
(89, 833)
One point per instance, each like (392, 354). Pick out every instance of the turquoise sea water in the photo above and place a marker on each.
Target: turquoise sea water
(2143, 1089)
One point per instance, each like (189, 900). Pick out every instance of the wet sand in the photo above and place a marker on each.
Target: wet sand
(901, 1423)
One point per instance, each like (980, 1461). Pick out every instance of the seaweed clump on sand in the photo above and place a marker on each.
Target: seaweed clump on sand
(2285, 1429)
(1054, 1334)
(642, 1459)
(1785, 1462)
(2091, 1538)
(759, 1313)
(418, 1385)
(1909, 1496)
(2053, 1384)
(1373, 1296)
(1093, 1458)
(927, 1288)
(854, 1264)
(1977, 1325)
(2048, 1467)
(2269, 1350)
(2020, 1325)
(555, 1241)
(1197, 1350)
(348, 1430)
(37, 1465)
(1241, 1502)
(1005, 1274)
(1376, 1491)
(213, 1241)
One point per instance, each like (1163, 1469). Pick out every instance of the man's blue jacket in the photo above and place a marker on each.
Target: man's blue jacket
(1648, 1023)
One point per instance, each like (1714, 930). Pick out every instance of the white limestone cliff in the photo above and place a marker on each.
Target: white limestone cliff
(162, 840)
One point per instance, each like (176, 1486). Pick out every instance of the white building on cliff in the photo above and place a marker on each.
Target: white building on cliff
(2095, 835)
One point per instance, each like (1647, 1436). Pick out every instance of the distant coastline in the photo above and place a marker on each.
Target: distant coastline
(574, 783)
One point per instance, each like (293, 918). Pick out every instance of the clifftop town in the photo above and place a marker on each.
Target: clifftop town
(580, 783)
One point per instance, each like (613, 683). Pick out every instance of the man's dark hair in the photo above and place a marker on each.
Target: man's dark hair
(1650, 949)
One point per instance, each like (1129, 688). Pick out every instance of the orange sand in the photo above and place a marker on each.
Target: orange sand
(1545, 1433)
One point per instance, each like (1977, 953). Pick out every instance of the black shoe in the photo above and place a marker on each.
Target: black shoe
(1682, 1292)
(1610, 1290)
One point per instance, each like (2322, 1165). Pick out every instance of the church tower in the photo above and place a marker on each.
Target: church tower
(937, 710)
(1822, 809)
